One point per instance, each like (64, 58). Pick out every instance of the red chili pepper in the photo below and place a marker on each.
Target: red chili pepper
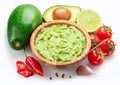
(34, 64)
(23, 70)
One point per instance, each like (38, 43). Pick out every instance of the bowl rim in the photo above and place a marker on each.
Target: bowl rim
(55, 64)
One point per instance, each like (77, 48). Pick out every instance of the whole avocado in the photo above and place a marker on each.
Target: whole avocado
(21, 23)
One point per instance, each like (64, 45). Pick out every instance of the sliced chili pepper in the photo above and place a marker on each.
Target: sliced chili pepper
(34, 65)
(22, 69)
(25, 72)
(20, 65)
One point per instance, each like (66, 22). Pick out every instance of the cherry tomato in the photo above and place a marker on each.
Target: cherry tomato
(61, 14)
(96, 57)
(94, 40)
(108, 47)
(104, 32)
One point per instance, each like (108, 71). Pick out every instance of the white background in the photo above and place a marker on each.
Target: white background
(108, 73)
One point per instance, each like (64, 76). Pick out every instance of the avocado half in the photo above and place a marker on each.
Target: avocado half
(75, 10)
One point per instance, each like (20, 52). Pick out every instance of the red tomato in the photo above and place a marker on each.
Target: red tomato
(104, 32)
(96, 57)
(108, 47)
(94, 40)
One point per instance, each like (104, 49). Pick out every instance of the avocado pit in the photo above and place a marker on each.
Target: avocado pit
(61, 14)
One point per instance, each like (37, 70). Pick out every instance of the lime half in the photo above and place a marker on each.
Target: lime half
(89, 20)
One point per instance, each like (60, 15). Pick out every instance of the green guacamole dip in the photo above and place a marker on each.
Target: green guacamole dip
(60, 43)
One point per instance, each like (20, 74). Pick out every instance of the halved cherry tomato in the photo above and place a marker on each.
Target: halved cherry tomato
(96, 57)
(104, 32)
(108, 47)
(94, 40)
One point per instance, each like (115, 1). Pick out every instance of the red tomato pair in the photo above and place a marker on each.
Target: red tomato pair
(106, 46)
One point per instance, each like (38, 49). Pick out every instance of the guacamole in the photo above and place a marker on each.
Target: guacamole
(60, 43)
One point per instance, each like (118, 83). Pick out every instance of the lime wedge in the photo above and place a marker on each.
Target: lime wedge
(89, 20)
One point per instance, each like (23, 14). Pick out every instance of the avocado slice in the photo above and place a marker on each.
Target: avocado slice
(75, 10)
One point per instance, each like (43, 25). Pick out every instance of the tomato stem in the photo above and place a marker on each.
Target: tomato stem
(99, 44)
(108, 29)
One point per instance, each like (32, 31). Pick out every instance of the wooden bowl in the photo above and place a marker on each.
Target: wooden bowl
(68, 64)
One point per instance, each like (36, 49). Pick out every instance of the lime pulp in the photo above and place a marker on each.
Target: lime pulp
(89, 20)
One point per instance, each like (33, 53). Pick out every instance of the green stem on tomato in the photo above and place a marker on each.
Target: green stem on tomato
(25, 53)
(98, 45)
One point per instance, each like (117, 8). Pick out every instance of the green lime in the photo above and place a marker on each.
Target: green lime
(89, 20)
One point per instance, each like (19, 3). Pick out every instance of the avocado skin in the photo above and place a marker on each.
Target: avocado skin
(21, 23)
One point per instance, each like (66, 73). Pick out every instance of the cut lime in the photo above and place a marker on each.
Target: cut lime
(89, 20)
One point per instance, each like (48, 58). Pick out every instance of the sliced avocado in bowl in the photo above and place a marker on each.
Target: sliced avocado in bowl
(48, 14)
